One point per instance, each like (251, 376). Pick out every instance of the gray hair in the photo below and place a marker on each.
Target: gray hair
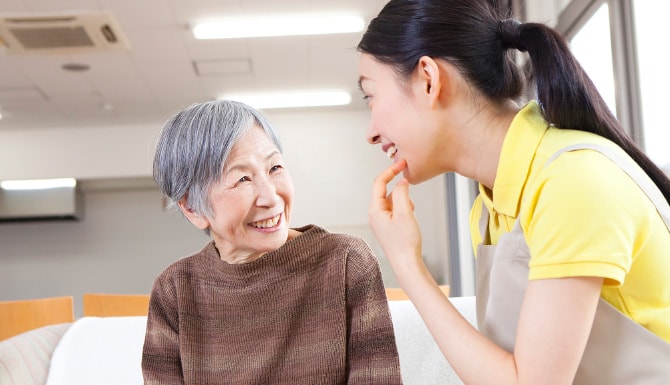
(194, 145)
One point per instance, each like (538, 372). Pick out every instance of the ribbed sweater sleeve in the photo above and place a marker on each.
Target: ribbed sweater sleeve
(312, 312)
(161, 362)
(372, 352)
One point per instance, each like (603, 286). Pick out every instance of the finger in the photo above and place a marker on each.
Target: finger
(402, 203)
(383, 179)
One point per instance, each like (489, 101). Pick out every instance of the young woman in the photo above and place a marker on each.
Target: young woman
(571, 225)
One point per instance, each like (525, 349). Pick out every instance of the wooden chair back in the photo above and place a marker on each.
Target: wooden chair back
(21, 316)
(113, 305)
(110, 305)
(398, 294)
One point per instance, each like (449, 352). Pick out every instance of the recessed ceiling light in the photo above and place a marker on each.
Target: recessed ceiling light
(291, 99)
(289, 25)
(75, 67)
(37, 184)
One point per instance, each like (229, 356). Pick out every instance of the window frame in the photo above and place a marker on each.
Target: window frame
(624, 56)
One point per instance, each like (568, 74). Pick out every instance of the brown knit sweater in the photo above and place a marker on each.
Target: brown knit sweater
(312, 312)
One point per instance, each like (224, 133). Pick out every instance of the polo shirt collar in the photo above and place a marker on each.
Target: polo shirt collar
(516, 158)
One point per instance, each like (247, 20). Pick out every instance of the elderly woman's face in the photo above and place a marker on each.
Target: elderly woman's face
(252, 202)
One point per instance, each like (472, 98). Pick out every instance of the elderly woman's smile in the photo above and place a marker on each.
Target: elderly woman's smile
(266, 223)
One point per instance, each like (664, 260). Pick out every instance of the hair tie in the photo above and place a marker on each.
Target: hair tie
(509, 32)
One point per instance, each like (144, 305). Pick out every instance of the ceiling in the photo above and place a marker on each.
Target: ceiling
(161, 72)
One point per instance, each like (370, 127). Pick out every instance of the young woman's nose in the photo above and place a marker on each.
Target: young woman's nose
(373, 136)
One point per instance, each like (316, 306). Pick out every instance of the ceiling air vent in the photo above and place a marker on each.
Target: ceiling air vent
(62, 33)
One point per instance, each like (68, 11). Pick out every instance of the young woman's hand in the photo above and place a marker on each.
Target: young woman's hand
(392, 220)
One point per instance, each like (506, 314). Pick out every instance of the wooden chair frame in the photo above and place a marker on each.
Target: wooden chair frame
(17, 317)
(114, 305)
(398, 294)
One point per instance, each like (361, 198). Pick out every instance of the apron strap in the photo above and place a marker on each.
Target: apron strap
(626, 164)
(484, 225)
(629, 167)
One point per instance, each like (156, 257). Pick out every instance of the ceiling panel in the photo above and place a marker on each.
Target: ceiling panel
(158, 74)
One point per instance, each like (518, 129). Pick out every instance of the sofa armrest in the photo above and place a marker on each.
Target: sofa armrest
(25, 358)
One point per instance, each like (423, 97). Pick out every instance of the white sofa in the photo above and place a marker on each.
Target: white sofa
(107, 351)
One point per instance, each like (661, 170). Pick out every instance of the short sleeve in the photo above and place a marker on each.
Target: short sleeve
(583, 217)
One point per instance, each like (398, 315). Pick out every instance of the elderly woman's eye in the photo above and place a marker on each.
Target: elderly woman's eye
(276, 168)
(244, 179)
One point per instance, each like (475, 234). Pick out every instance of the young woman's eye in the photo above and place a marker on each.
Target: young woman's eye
(366, 97)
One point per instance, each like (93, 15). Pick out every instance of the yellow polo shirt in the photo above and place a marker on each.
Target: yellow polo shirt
(581, 216)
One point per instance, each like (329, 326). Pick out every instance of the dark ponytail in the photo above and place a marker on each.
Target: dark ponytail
(568, 97)
(472, 36)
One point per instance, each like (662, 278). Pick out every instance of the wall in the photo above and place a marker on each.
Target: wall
(126, 238)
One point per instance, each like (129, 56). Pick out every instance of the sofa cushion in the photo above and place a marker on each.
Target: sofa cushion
(25, 358)
(108, 350)
(100, 351)
(421, 361)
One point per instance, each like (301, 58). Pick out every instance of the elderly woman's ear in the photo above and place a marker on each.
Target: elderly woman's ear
(198, 220)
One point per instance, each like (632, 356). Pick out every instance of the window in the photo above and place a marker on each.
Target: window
(651, 39)
(592, 47)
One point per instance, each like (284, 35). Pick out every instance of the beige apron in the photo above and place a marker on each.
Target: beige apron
(619, 351)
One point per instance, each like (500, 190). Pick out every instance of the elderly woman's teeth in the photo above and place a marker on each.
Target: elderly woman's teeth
(391, 151)
(266, 223)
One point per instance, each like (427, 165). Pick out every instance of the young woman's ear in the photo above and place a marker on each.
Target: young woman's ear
(429, 79)
(198, 220)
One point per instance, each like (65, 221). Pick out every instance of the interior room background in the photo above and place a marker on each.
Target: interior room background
(125, 237)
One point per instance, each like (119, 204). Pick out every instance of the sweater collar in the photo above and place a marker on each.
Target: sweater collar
(287, 256)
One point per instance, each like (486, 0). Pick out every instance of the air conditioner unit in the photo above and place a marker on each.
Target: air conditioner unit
(75, 32)
(63, 203)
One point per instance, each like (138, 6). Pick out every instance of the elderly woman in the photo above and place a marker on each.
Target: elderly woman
(261, 303)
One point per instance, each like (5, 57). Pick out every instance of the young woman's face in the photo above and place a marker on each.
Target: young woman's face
(251, 203)
(397, 121)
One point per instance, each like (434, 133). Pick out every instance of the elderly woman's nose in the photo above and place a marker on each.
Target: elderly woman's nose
(267, 194)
